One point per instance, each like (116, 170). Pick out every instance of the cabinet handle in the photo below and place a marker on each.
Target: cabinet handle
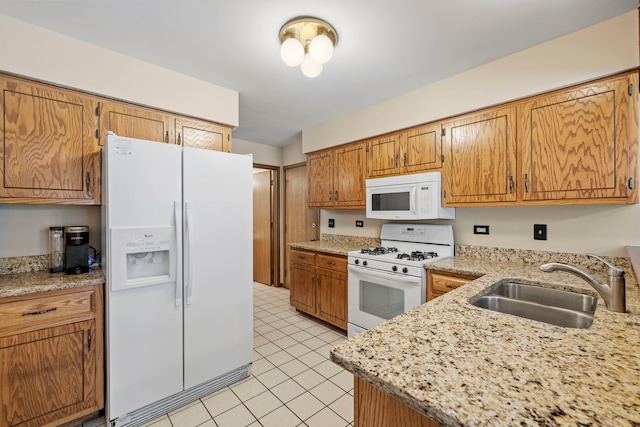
(451, 286)
(396, 161)
(318, 281)
(336, 198)
(511, 184)
(313, 279)
(405, 159)
(526, 182)
(331, 263)
(302, 257)
(89, 191)
(330, 195)
(179, 139)
(35, 313)
(166, 137)
(89, 340)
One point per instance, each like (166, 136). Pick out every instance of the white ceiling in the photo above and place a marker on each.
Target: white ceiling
(385, 47)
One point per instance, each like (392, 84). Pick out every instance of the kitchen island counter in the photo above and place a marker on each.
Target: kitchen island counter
(43, 281)
(463, 365)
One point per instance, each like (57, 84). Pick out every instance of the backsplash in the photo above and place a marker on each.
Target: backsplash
(24, 264)
(357, 241)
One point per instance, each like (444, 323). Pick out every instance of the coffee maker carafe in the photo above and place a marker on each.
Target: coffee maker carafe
(76, 249)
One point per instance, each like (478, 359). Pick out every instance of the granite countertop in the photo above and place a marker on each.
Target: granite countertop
(466, 366)
(335, 248)
(43, 281)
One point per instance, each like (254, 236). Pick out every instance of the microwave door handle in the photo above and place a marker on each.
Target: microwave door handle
(415, 194)
(364, 272)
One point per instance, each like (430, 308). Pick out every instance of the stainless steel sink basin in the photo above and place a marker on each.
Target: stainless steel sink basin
(555, 306)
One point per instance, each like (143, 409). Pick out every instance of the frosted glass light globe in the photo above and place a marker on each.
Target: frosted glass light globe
(292, 52)
(321, 49)
(310, 67)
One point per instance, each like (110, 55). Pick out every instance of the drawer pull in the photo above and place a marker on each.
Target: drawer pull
(331, 263)
(451, 286)
(301, 257)
(34, 313)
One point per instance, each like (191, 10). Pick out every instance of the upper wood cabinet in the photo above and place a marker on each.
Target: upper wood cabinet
(49, 152)
(580, 144)
(411, 151)
(336, 177)
(135, 122)
(480, 158)
(206, 135)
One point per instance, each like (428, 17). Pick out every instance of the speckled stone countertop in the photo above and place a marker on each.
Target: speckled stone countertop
(43, 281)
(466, 366)
(337, 244)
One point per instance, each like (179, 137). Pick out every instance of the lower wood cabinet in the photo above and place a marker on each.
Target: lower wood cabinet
(441, 282)
(51, 357)
(374, 408)
(319, 285)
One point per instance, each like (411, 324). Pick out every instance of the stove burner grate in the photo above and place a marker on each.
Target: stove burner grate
(417, 256)
(378, 251)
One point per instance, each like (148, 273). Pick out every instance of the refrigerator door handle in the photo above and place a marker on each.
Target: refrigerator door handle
(177, 211)
(187, 252)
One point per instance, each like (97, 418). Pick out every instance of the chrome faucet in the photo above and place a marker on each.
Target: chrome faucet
(613, 292)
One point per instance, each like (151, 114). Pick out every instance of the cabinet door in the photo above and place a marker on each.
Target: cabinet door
(49, 152)
(48, 375)
(421, 149)
(383, 156)
(480, 158)
(332, 297)
(576, 143)
(349, 181)
(303, 291)
(205, 135)
(135, 122)
(320, 179)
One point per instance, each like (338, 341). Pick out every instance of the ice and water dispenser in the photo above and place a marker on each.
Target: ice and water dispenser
(141, 257)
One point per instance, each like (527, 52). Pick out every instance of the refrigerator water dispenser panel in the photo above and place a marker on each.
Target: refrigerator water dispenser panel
(144, 257)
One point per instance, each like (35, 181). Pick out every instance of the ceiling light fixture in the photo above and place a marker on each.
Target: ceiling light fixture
(307, 42)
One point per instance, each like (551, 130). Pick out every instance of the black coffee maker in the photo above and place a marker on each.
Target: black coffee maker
(76, 249)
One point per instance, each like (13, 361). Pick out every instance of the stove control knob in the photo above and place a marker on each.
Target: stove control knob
(405, 270)
(364, 263)
(394, 268)
(357, 261)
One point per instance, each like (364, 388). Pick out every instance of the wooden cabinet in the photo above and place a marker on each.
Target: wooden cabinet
(480, 158)
(51, 357)
(318, 285)
(200, 134)
(374, 408)
(49, 151)
(135, 122)
(441, 282)
(411, 151)
(580, 144)
(336, 177)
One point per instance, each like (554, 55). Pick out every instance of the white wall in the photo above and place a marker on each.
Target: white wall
(24, 229)
(292, 154)
(599, 50)
(602, 49)
(262, 154)
(42, 54)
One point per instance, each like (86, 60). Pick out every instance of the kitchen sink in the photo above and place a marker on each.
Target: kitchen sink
(555, 306)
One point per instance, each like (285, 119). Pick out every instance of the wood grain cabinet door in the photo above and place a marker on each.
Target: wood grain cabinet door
(49, 152)
(48, 375)
(205, 135)
(332, 297)
(320, 179)
(383, 156)
(135, 122)
(349, 181)
(480, 158)
(580, 143)
(421, 149)
(303, 290)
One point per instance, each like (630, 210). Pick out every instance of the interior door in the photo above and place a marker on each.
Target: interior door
(300, 221)
(262, 256)
(218, 303)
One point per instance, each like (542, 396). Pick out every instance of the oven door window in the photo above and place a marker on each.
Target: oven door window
(381, 301)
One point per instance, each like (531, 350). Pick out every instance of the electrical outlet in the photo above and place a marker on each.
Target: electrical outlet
(332, 222)
(540, 231)
(359, 223)
(480, 229)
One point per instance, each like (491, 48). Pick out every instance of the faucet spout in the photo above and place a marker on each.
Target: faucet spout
(613, 292)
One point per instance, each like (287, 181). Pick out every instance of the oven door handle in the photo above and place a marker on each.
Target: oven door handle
(377, 275)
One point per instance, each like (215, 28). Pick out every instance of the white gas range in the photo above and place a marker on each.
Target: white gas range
(390, 280)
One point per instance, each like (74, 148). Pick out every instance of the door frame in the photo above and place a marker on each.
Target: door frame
(275, 221)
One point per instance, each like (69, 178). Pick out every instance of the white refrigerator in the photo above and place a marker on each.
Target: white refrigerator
(177, 255)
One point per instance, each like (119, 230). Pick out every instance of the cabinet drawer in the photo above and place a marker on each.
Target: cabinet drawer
(303, 257)
(443, 284)
(332, 262)
(45, 311)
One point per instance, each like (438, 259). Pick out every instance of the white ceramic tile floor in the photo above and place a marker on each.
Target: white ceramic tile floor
(293, 382)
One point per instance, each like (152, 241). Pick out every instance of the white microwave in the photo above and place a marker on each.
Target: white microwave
(407, 197)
